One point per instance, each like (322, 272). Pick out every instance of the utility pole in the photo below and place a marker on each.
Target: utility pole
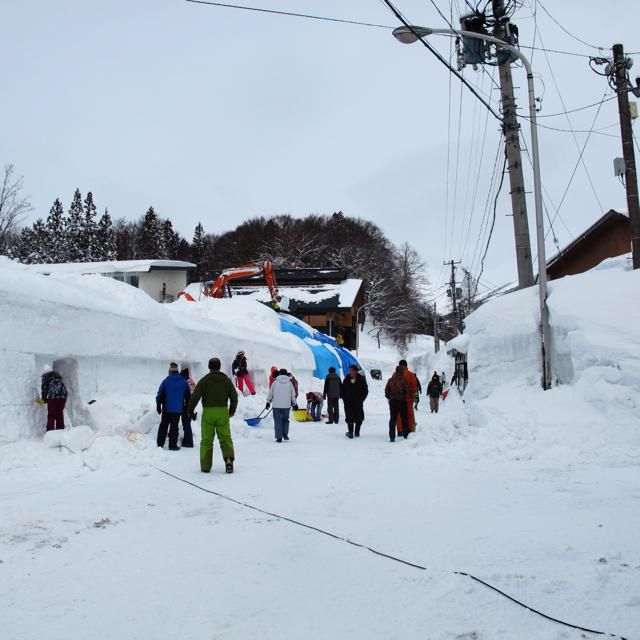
(453, 292)
(436, 337)
(631, 180)
(510, 129)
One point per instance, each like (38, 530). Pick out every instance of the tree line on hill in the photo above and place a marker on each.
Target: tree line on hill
(394, 277)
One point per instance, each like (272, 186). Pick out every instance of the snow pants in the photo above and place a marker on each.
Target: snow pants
(434, 404)
(398, 413)
(245, 379)
(315, 410)
(55, 413)
(281, 423)
(187, 438)
(168, 421)
(411, 418)
(334, 410)
(215, 421)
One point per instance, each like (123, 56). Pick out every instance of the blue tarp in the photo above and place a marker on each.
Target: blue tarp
(324, 349)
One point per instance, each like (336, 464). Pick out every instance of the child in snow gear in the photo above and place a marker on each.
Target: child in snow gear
(187, 433)
(332, 392)
(314, 405)
(283, 396)
(172, 397)
(396, 392)
(412, 382)
(354, 393)
(434, 391)
(240, 371)
(219, 402)
(54, 393)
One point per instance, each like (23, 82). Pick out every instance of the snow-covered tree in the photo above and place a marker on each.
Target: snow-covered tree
(106, 238)
(74, 230)
(90, 247)
(13, 207)
(170, 240)
(33, 243)
(198, 251)
(57, 240)
(150, 242)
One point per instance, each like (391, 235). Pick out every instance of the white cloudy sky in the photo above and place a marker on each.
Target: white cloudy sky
(217, 115)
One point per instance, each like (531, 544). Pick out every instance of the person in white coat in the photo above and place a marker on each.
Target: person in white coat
(283, 396)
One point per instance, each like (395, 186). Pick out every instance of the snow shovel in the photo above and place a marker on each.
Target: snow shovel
(254, 422)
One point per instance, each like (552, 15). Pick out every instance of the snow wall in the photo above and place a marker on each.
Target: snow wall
(595, 363)
(112, 343)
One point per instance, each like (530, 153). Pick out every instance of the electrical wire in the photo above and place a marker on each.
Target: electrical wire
(290, 13)
(439, 56)
(493, 222)
(586, 106)
(571, 35)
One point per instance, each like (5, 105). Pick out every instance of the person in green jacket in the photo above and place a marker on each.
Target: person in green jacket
(216, 390)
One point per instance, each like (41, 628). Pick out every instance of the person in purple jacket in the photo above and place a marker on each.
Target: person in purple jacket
(173, 395)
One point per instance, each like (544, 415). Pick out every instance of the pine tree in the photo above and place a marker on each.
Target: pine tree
(170, 239)
(150, 243)
(74, 229)
(90, 248)
(106, 238)
(56, 233)
(33, 244)
(198, 251)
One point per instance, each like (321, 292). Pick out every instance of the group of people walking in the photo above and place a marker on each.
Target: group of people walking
(178, 397)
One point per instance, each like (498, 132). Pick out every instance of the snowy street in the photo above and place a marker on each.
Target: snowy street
(126, 551)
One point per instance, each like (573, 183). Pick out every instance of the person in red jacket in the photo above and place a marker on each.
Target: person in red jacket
(412, 382)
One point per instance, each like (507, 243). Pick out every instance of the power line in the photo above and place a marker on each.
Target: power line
(290, 13)
(586, 106)
(439, 56)
(593, 46)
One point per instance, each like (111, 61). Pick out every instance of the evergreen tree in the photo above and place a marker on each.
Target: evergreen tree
(57, 239)
(198, 248)
(150, 242)
(106, 239)
(170, 239)
(74, 229)
(33, 244)
(90, 249)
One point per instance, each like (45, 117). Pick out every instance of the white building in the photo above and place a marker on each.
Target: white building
(161, 279)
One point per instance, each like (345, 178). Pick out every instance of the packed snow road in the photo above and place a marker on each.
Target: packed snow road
(101, 544)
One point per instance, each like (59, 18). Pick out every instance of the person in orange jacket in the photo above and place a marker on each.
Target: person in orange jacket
(412, 382)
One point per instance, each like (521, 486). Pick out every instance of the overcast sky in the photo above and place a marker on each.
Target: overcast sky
(217, 115)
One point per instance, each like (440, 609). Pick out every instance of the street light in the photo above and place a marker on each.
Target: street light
(411, 34)
(359, 309)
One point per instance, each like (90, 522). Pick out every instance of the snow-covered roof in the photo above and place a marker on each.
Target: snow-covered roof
(115, 266)
(341, 295)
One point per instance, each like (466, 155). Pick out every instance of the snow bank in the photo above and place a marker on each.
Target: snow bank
(112, 343)
(593, 410)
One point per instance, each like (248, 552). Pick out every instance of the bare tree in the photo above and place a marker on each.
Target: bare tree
(13, 206)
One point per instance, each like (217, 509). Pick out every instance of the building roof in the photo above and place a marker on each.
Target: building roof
(115, 266)
(306, 275)
(309, 298)
(607, 219)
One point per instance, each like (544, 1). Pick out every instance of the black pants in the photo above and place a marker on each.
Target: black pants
(170, 421)
(398, 407)
(187, 439)
(334, 410)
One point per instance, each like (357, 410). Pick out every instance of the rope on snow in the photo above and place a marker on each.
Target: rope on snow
(386, 555)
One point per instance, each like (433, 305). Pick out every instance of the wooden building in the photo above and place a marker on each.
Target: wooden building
(610, 236)
(324, 298)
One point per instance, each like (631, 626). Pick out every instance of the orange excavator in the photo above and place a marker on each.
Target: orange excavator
(217, 288)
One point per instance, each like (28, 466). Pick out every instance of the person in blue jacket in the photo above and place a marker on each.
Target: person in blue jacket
(173, 395)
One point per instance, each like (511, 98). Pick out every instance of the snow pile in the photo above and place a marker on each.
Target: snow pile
(112, 343)
(593, 410)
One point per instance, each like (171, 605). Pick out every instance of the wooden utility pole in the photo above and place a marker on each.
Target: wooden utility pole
(510, 129)
(454, 296)
(436, 337)
(631, 179)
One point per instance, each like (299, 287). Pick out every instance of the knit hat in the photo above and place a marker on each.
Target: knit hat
(46, 369)
(240, 353)
(173, 366)
(283, 372)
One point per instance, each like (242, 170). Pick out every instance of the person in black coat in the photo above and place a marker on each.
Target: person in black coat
(354, 393)
(332, 392)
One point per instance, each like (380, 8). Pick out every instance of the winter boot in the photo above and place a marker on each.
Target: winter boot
(357, 432)
(228, 465)
(349, 433)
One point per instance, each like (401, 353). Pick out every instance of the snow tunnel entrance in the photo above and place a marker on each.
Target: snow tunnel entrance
(75, 408)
